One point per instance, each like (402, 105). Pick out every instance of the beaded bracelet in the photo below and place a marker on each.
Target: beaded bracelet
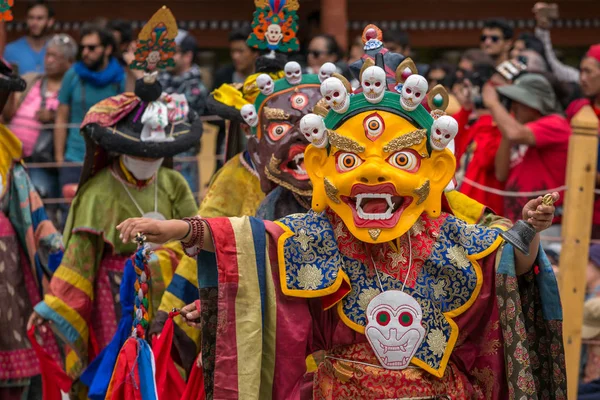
(196, 240)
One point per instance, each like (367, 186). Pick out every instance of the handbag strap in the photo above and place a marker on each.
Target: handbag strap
(43, 90)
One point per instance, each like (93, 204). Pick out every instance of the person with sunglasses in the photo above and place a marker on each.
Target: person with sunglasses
(323, 48)
(496, 40)
(97, 76)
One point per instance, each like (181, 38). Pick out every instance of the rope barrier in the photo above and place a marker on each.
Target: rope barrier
(67, 164)
(506, 193)
(205, 118)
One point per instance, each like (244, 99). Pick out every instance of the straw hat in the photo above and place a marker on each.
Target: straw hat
(591, 319)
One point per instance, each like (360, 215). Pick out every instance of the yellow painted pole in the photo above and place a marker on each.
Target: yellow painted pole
(576, 232)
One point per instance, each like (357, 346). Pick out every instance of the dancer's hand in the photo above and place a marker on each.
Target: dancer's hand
(191, 314)
(154, 230)
(540, 215)
(37, 320)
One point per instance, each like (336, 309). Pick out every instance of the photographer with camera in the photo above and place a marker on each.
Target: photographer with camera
(479, 133)
(532, 155)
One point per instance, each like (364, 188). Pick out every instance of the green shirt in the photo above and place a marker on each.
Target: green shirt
(103, 203)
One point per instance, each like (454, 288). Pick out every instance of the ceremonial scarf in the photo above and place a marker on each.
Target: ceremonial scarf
(113, 73)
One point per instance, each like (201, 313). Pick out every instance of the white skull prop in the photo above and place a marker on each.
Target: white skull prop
(326, 71)
(274, 34)
(265, 84)
(394, 328)
(313, 129)
(293, 73)
(413, 92)
(373, 84)
(336, 95)
(443, 130)
(249, 114)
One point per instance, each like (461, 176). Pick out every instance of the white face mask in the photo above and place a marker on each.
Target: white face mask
(141, 169)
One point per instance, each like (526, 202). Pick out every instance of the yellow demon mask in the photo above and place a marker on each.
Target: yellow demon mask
(380, 161)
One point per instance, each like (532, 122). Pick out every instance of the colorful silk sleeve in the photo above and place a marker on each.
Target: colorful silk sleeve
(262, 335)
(42, 243)
(69, 301)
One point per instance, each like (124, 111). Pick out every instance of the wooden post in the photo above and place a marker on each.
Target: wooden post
(334, 20)
(576, 232)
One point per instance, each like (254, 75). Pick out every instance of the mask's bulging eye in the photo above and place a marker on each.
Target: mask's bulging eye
(405, 319)
(347, 161)
(374, 126)
(405, 160)
(277, 130)
(383, 318)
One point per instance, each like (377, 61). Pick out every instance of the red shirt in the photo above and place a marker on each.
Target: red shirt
(481, 168)
(540, 167)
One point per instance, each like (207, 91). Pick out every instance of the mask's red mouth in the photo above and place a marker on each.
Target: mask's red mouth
(294, 164)
(377, 206)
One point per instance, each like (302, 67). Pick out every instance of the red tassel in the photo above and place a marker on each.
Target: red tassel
(54, 379)
(169, 383)
(125, 381)
(194, 390)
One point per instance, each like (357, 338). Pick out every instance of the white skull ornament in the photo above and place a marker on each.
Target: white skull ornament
(394, 328)
(265, 84)
(313, 129)
(443, 130)
(336, 95)
(413, 92)
(293, 73)
(373, 84)
(274, 34)
(326, 71)
(249, 114)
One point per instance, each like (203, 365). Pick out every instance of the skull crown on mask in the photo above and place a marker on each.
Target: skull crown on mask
(413, 92)
(249, 115)
(265, 84)
(293, 73)
(374, 84)
(326, 71)
(335, 94)
(313, 129)
(443, 131)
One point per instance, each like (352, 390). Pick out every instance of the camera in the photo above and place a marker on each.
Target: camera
(483, 72)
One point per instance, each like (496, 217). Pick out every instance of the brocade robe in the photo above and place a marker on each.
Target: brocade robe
(293, 295)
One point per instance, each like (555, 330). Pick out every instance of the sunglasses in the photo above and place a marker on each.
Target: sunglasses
(317, 53)
(90, 47)
(493, 38)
